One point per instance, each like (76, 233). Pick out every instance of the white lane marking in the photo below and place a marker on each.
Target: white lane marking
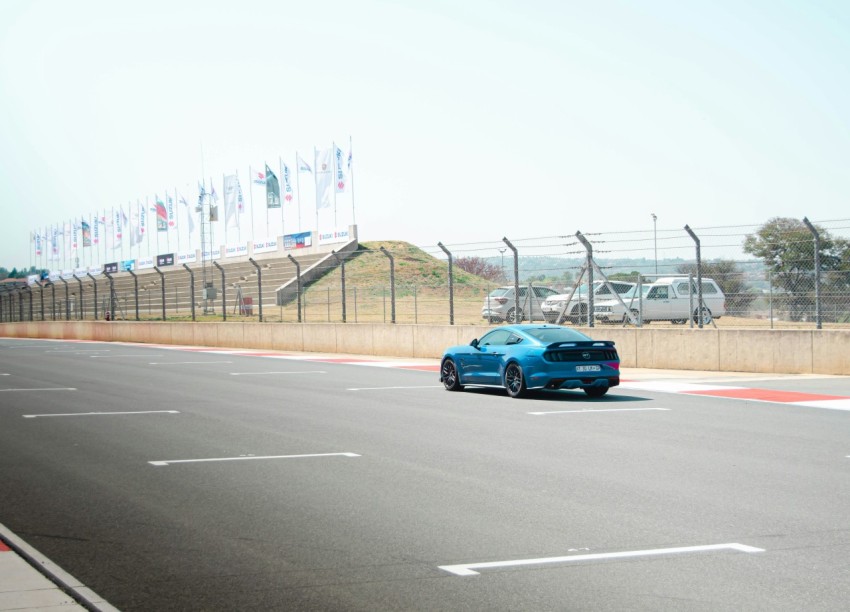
(468, 569)
(112, 356)
(4, 374)
(73, 414)
(264, 373)
(43, 389)
(78, 351)
(674, 386)
(250, 457)
(386, 388)
(598, 410)
(836, 404)
(185, 362)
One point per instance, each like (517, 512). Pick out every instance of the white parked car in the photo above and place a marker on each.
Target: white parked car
(671, 299)
(576, 311)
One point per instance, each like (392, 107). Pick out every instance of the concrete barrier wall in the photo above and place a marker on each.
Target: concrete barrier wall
(728, 350)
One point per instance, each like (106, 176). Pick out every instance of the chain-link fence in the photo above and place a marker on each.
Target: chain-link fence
(783, 273)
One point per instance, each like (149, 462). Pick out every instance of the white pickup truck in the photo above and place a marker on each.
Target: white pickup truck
(671, 299)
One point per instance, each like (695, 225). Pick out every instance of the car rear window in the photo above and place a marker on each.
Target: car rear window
(548, 335)
(502, 291)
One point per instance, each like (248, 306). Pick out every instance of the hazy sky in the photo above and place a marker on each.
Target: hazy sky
(469, 120)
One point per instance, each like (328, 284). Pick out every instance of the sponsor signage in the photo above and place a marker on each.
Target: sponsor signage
(267, 246)
(165, 260)
(235, 250)
(80, 272)
(187, 257)
(66, 274)
(145, 263)
(301, 240)
(128, 264)
(95, 270)
(111, 268)
(32, 279)
(334, 237)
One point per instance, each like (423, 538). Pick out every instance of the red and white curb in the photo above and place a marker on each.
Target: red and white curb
(796, 398)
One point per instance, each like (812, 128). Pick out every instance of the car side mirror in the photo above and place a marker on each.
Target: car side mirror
(474, 343)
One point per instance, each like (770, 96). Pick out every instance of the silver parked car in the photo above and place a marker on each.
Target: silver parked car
(501, 304)
(556, 309)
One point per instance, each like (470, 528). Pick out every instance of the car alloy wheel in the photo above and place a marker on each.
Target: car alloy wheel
(514, 380)
(448, 373)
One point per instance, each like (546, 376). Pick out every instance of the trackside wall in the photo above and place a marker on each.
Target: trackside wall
(729, 350)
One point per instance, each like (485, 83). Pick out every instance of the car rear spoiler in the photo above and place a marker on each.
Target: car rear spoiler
(582, 344)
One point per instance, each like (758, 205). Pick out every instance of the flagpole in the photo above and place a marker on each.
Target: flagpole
(316, 187)
(265, 166)
(335, 173)
(224, 191)
(283, 198)
(176, 224)
(251, 200)
(239, 201)
(298, 186)
(351, 175)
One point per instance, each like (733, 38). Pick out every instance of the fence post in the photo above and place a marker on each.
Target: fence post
(135, 291)
(94, 284)
(191, 291)
(700, 304)
(82, 303)
(341, 263)
(21, 304)
(67, 304)
(111, 311)
(591, 319)
(517, 318)
(162, 289)
(451, 286)
(818, 317)
(259, 285)
(297, 283)
(392, 284)
(223, 298)
(29, 290)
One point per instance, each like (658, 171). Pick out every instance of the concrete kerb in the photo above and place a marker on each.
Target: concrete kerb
(728, 350)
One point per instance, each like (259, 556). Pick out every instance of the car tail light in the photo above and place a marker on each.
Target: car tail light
(613, 364)
(502, 300)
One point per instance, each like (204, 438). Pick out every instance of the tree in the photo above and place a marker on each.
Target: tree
(787, 248)
(480, 267)
(725, 272)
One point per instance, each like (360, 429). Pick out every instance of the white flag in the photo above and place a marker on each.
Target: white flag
(302, 165)
(231, 201)
(324, 177)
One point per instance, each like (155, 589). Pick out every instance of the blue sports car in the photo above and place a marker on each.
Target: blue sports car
(523, 357)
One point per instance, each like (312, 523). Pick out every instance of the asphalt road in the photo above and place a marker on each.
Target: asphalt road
(228, 482)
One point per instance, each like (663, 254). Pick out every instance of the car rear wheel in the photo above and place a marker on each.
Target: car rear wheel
(449, 375)
(596, 391)
(509, 318)
(514, 380)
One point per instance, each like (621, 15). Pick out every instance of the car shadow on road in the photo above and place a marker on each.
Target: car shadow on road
(565, 395)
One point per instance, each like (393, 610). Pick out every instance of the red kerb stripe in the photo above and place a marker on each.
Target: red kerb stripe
(767, 395)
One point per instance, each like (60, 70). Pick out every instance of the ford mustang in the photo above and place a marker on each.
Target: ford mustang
(523, 357)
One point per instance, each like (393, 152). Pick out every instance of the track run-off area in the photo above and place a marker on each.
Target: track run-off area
(192, 478)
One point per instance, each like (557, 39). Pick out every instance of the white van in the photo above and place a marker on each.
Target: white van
(671, 299)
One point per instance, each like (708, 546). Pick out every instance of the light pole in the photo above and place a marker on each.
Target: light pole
(502, 251)
(655, 240)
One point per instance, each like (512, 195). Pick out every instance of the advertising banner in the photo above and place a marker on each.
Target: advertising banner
(267, 246)
(298, 241)
(187, 258)
(236, 250)
(145, 263)
(165, 260)
(128, 264)
(335, 236)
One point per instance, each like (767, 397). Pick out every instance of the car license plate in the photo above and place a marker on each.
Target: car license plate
(588, 368)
